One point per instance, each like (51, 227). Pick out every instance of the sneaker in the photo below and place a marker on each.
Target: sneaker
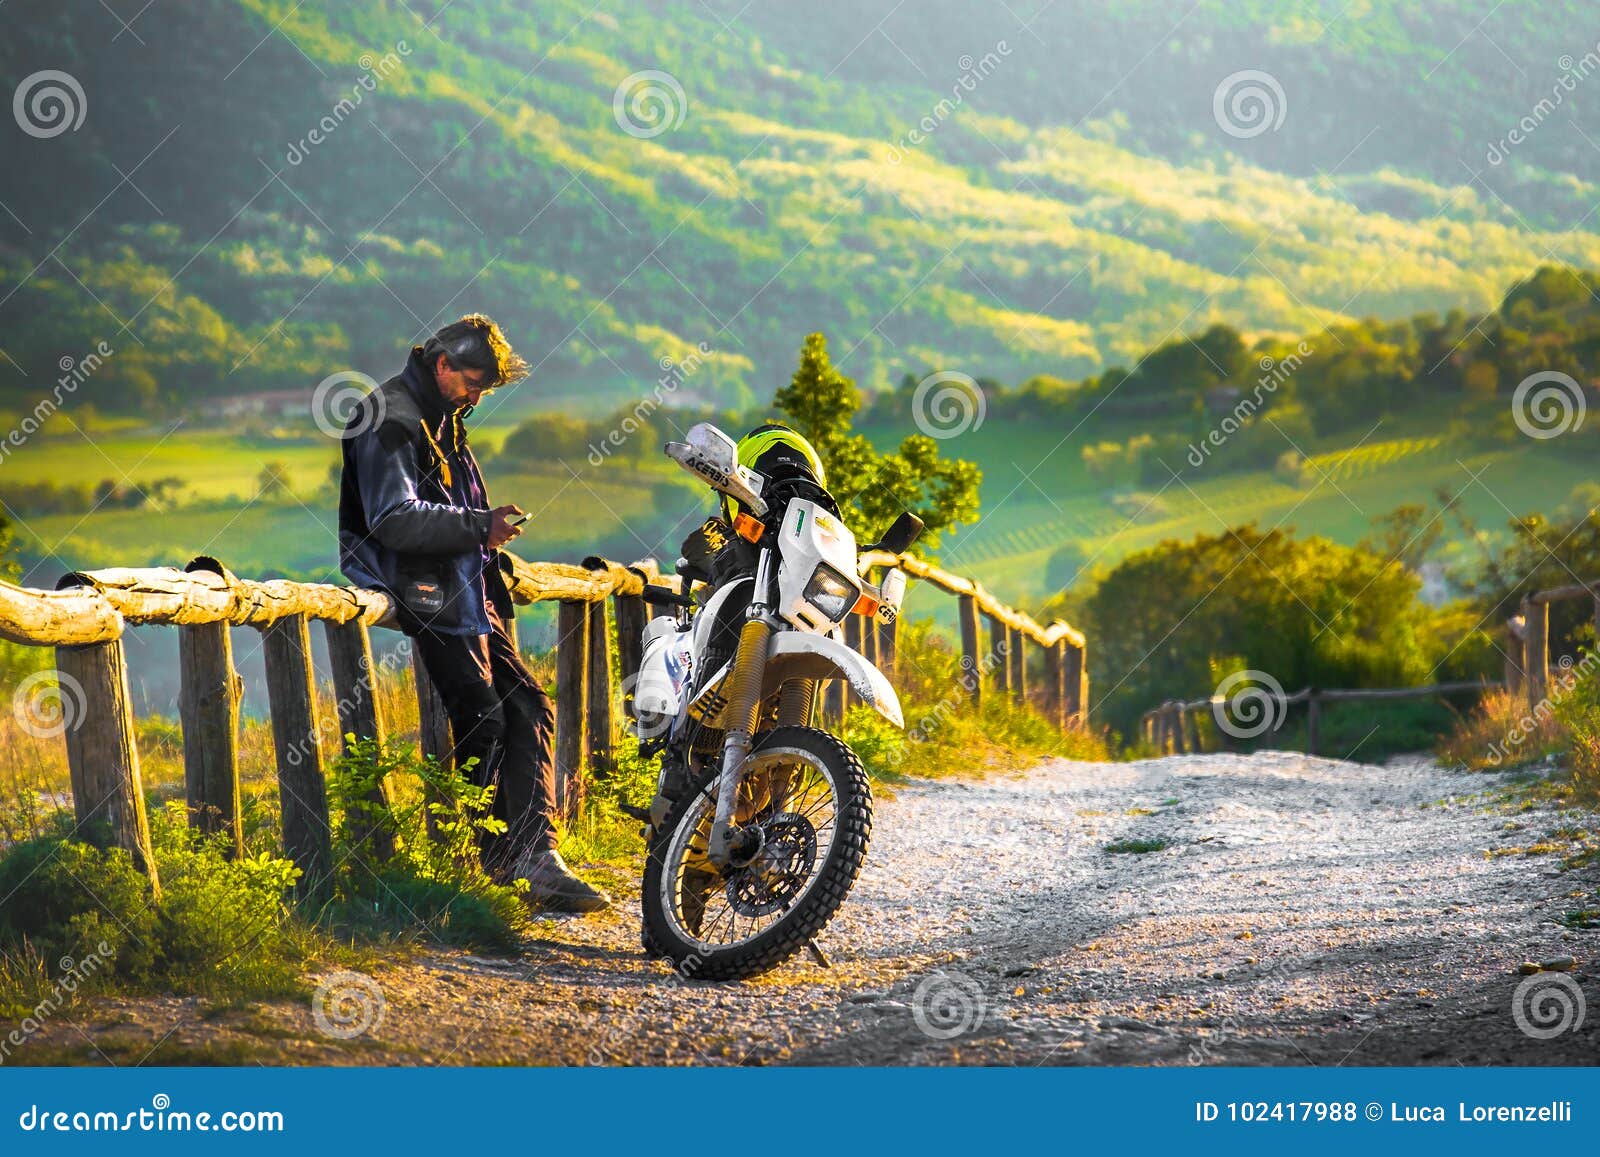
(552, 886)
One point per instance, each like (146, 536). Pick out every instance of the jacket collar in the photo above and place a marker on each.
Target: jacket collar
(419, 383)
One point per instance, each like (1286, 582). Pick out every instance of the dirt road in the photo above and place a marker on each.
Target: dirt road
(1296, 911)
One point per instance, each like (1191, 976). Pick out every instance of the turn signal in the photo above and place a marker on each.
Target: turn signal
(865, 605)
(748, 527)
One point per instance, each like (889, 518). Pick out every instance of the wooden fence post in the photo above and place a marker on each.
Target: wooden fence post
(888, 643)
(1514, 645)
(1000, 648)
(208, 708)
(971, 660)
(630, 634)
(869, 638)
(1016, 657)
(356, 701)
(1192, 721)
(597, 730)
(1180, 741)
(102, 755)
(572, 695)
(1054, 672)
(433, 733)
(1077, 686)
(296, 734)
(1536, 650)
(1313, 718)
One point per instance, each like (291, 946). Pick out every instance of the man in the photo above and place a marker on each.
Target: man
(415, 522)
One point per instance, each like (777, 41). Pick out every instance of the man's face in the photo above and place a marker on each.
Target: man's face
(459, 387)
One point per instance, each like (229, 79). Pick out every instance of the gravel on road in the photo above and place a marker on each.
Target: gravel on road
(1214, 909)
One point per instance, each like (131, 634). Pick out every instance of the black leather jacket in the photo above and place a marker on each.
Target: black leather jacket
(414, 514)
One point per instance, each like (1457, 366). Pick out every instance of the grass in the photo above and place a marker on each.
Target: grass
(218, 511)
(1137, 847)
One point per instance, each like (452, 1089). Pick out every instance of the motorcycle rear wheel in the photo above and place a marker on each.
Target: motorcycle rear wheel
(806, 792)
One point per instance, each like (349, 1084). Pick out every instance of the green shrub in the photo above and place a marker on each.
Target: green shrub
(225, 925)
(435, 883)
(64, 899)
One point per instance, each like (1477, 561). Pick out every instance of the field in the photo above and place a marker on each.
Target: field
(578, 509)
(1037, 497)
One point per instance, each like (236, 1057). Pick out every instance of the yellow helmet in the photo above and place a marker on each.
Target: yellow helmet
(777, 453)
(769, 447)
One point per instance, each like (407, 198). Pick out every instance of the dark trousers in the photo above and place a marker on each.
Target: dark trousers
(503, 719)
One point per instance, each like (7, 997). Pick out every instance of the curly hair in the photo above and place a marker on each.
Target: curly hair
(476, 342)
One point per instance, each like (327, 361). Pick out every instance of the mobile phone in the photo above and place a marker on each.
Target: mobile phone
(518, 521)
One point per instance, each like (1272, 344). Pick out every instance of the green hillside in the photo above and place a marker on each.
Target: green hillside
(194, 222)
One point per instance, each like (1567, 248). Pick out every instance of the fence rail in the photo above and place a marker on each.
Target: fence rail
(1173, 727)
(85, 617)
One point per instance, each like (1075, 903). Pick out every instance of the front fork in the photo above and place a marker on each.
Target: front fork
(744, 703)
(724, 848)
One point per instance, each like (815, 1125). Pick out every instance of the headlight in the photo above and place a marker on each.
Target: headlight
(830, 592)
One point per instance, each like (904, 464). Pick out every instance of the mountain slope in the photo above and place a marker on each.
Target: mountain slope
(488, 167)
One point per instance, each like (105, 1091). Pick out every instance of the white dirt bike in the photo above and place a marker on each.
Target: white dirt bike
(761, 821)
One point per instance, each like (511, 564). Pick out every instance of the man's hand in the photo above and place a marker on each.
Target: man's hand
(501, 531)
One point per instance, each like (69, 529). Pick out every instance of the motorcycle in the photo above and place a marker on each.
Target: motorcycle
(761, 821)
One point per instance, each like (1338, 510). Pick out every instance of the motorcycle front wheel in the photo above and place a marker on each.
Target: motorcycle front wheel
(806, 794)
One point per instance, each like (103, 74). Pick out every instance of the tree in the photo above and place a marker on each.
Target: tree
(273, 481)
(1169, 621)
(547, 438)
(874, 488)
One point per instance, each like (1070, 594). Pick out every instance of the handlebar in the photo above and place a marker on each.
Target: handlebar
(660, 594)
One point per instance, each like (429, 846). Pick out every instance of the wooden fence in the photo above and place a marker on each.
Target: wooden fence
(1174, 726)
(84, 620)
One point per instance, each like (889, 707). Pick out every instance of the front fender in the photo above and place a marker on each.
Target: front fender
(800, 655)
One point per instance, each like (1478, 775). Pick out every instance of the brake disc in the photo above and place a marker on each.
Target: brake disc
(778, 874)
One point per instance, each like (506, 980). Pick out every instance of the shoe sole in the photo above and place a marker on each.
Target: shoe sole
(570, 906)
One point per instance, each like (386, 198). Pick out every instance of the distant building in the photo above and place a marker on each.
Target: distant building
(265, 404)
